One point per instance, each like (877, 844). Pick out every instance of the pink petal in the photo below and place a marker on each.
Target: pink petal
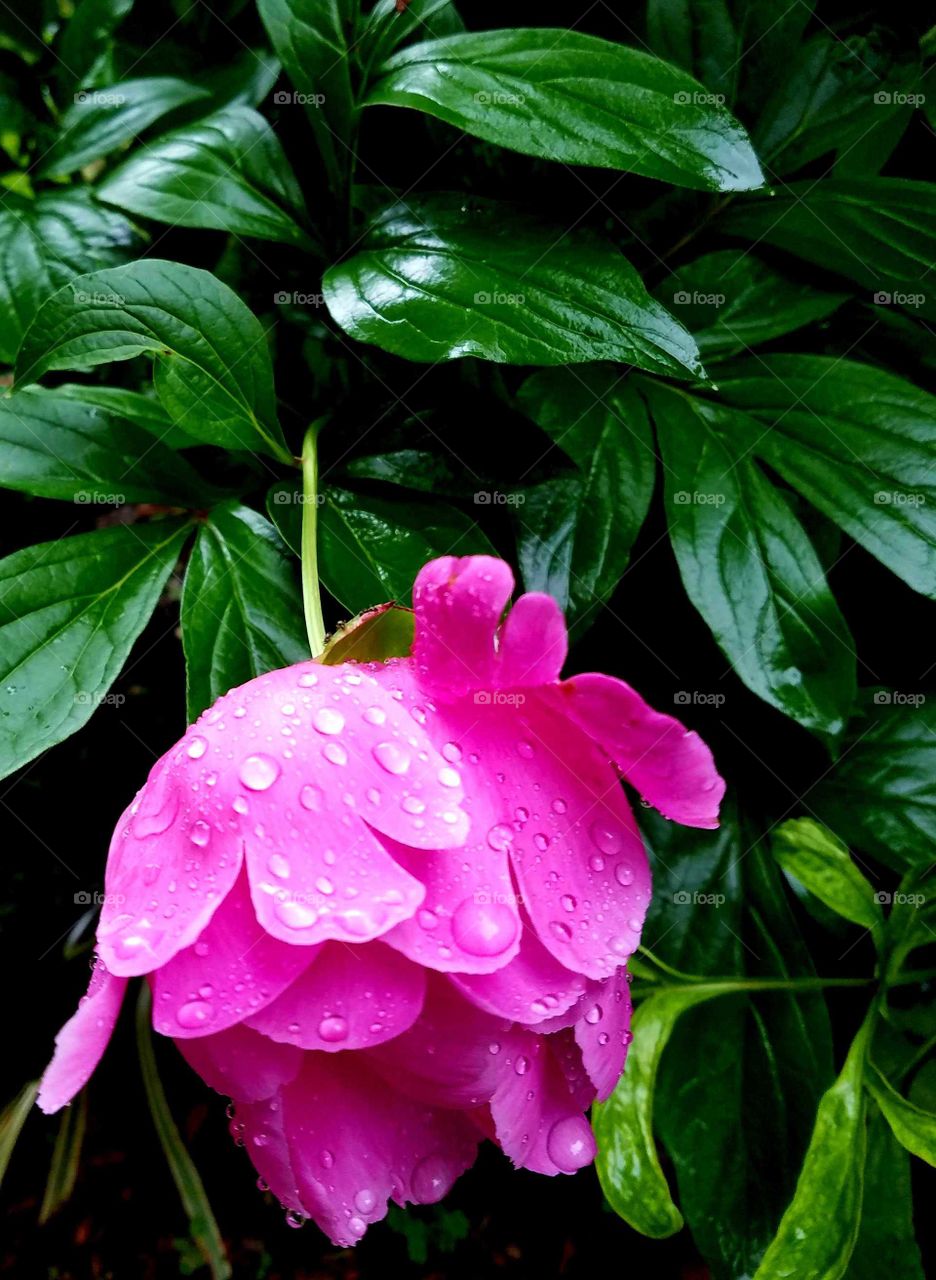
(532, 987)
(350, 998)
(168, 869)
(672, 768)
(533, 642)
(354, 1143)
(458, 606)
(603, 1032)
(82, 1041)
(537, 1112)
(234, 969)
(265, 1140)
(242, 1064)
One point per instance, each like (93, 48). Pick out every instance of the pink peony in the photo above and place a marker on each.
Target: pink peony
(387, 908)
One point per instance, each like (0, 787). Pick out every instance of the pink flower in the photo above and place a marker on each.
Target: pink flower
(387, 908)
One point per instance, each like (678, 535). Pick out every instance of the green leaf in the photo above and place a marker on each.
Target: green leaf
(241, 607)
(46, 242)
(886, 1243)
(818, 1232)
(14, 1116)
(57, 447)
(820, 861)
(311, 40)
(69, 613)
(100, 121)
(213, 371)
(381, 633)
(86, 39)
(859, 443)
(143, 410)
(386, 27)
(227, 172)
(186, 1177)
(440, 278)
(913, 1127)
(749, 567)
(579, 550)
(878, 232)
(730, 301)
(66, 1157)
(880, 795)
(576, 99)
(627, 1162)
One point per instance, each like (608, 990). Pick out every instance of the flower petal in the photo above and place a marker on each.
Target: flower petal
(354, 1143)
(531, 988)
(350, 998)
(168, 869)
(242, 1064)
(233, 970)
(671, 767)
(265, 1139)
(80, 1044)
(533, 642)
(458, 605)
(603, 1032)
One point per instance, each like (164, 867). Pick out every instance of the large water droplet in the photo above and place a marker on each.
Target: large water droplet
(392, 757)
(522, 1065)
(197, 748)
(607, 835)
(279, 866)
(594, 1014)
(365, 1200)
(568, 902)
(559, 805)
(328, 720)
(335, 753)
(484, 928)
(451, 752)
(430, 1180)
(259, 772)
(308, 680)
(570, 1144)
(560, 931)
(294, 915)
(333, 1029)
(624, 874)
(449, 777)
(194, 1014)
(500, 837)
(375, 715)
(310, 797)
(200, 834)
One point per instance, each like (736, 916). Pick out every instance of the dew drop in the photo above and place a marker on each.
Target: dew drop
(333, 1029)
(607, 836)
(426, 919)
(484, 928)
(560, 931)
(195, 1013)
(258, 773)
(365, 1200)
(392, 757)
(239, 804)
(308, 680)
(294, 915)
(559, 806)
(335, 753)
(328, 720)
(449, 777)
(430, 1180)
(310, 797)
(522, 1065)
(624, 874)
(197, 748)
(525, 750)
(375, 715)
(594, 1015)
(412, 804)
(541, 841)
(279, 866)
(568, 902)
(451, 752)
(570, 1144)
(294, 1219)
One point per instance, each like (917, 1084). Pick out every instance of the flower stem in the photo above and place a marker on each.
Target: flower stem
(311, 594)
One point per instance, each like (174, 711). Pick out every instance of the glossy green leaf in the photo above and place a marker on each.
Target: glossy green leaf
(374, 636)
(227, 172)
(66, 1157)
(186, 1177)
(731, 301)
(69, 613)
(440, 278)
(311, 40)
(100, 121)
(143, 410)
(387, 26)
(13, 1117)
(859, 443)
(886, 1242)
(750, 569)
(880, 795)
(878, 232)
(46, 242)
(576, 99)
(86, 39)
(818, 1232)
(913, 1127)
(576, 549)
(822, 863)
(627, 1162)
(212, 367)
(241, 606)
(56, 447)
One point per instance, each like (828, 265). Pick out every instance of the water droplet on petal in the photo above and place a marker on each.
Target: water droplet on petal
(594, 1014)
(561, 931)
(328, 720)
(294, 1219)
(365, 1200)
(451, 752)
(412, 804)
(335, 753)
(522, 1065)
(197, 748)
(559, 806)
(608, 836)
(568, 902)
(449, 777)
(624, 874)
(279, 866)
(239, 804)
(500, 837)
(310, 797)
(333, 1029)
(426, 919)
(430, 1180)
(570, 1144)
(357, 1227)
(541, 841)
(375, 715)
(294, 915)
(259, 772)
(200, 834)
(195, 1013)
(392, 757)
(484, 928)
(308, 680)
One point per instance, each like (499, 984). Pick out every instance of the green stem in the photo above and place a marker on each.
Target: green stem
(311, 595)
(729, 986)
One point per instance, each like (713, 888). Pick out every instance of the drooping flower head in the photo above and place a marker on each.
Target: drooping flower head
(387, 908)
